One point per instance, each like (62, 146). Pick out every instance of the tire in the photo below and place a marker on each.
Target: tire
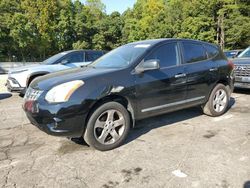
(218, 101)
(31, 79)
(22, 93)
(107, 127)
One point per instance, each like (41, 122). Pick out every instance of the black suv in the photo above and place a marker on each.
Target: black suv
(102, 101)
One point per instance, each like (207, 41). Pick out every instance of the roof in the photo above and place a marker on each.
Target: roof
(68, 51)
(155, 41)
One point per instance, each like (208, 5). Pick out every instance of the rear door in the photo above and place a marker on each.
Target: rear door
(159, 90)
(201, 70)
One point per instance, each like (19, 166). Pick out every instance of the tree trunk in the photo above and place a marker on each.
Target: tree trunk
(222, 37)
(220, 32)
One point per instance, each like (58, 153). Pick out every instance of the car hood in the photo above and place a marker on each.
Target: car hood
(241, 61)
(22, 68)
(48, 81)
(40, 68)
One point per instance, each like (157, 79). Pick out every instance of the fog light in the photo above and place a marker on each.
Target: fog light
(57, 120)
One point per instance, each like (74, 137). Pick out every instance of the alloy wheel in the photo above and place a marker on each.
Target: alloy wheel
(220, 100)
(109, 127)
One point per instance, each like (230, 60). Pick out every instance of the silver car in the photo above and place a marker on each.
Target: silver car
(20, 78)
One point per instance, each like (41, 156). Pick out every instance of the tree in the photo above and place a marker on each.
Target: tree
(35, 29)
(7, 45)
(65, 32)
(145, 20)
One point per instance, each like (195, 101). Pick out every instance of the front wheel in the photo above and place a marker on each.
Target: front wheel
(218, 101)
(108, 126)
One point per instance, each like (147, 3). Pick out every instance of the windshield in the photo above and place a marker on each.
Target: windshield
(53, 58)
(230, 54)
(121, 57)
(245, 53)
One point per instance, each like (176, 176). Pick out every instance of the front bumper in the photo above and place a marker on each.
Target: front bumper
(13, 85)
(68, 127)
(242, 82)
(242, 85)
(65, 119)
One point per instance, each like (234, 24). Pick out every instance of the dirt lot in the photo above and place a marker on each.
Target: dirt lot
(182, 149)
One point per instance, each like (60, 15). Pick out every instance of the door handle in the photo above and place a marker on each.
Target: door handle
(180, 75)
(213, 69)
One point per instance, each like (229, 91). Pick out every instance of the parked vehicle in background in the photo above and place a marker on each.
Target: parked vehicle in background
(232, 53)
(242, 69)
(102, 101)
(20, 78)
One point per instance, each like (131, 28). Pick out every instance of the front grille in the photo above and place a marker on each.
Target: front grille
(242, 70)
(32, 94)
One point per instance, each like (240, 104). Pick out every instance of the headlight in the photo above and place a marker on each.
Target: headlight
(62, 92)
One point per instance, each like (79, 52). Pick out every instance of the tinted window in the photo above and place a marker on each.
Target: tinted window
(74, 57)
(193, 52)
(167, 54)
(92, 56)
(211, 50)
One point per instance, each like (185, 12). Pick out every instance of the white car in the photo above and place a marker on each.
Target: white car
(20, 78)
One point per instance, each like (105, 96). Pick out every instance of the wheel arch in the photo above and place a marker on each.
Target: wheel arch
(225, 82)
(34, 75)
(115, 98)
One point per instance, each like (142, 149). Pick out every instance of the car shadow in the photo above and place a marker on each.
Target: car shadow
(5, 95)
(146, 125)
(231, 103)
(246, 184)
(79, 141)
(21, 95)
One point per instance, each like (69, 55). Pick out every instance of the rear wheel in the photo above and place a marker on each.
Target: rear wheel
(108, 126)
(218, 101)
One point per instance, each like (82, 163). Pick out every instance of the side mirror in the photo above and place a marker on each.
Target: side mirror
(152, 64)
(64, 62)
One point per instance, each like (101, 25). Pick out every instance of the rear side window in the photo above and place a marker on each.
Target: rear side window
(167, 54)
(92, 56)
(193, 52)
(212, 51)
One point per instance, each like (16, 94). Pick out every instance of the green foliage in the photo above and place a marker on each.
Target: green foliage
(35, 29)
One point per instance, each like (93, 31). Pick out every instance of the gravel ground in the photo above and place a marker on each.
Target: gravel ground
(181, 149)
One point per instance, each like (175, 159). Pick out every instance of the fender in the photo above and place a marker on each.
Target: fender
(106, 93)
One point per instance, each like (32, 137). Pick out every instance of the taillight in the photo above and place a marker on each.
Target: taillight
(231, 64)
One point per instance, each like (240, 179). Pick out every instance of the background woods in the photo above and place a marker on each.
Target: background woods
(32, 30)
